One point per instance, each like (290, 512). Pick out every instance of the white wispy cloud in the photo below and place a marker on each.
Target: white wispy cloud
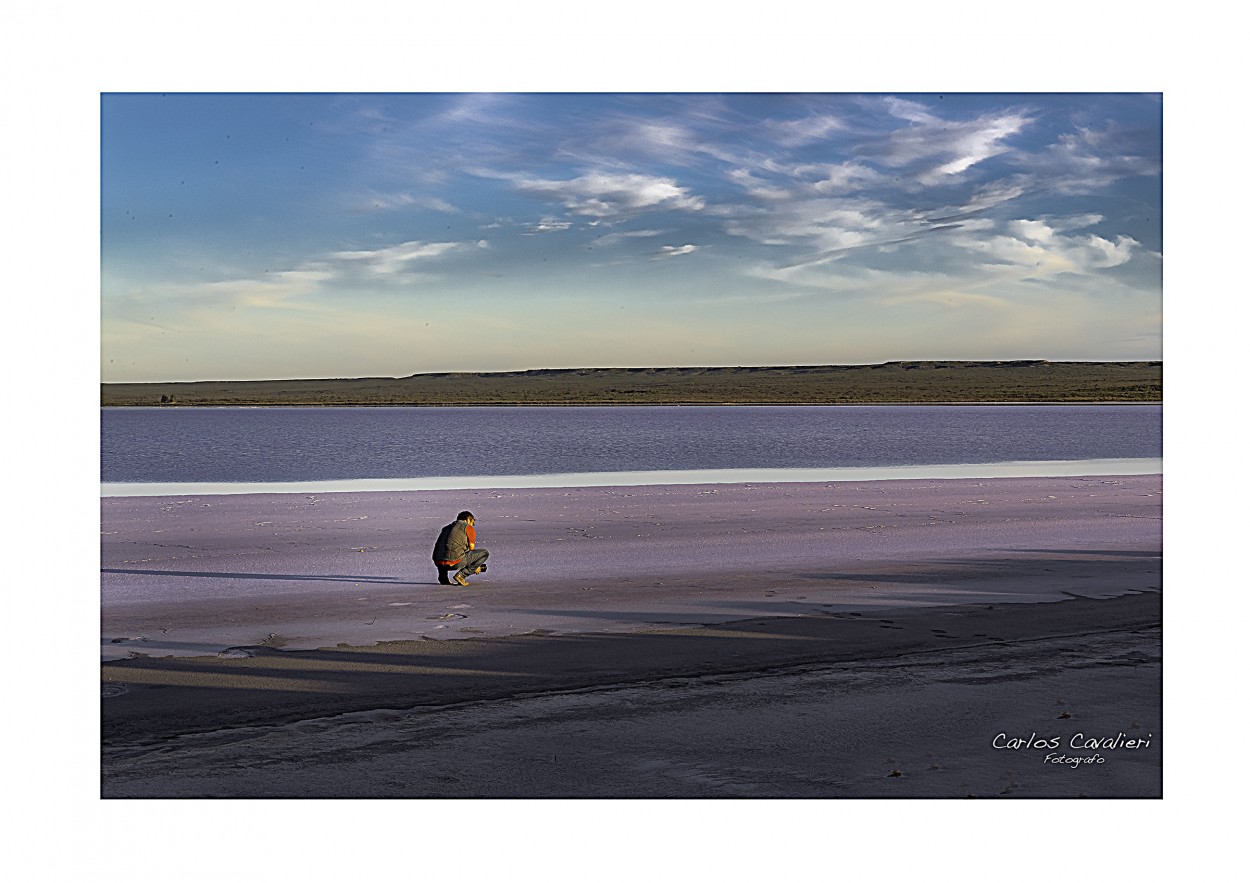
(1088, 160)
(822, 224)
(282, 289)
(669, 251)
(858, 200)
(806, 130)
(607, 194)
(473, 107)
(682, 131)
(1040, 248)
(378, 201)
(842, 177)
(548, 225)
(299, 287)
(608, 239)
(658, 137)
(776, 182)
(394, 258)
(912, 111)
(187, 305)
(976, 255)
(938, 149)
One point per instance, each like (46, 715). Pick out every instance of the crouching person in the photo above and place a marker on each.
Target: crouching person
(457, 548)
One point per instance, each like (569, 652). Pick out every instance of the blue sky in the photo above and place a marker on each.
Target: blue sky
(265, 235)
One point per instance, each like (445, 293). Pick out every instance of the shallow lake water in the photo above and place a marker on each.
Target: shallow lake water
(152, 450)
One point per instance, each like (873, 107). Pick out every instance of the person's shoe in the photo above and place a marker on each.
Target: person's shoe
(444, 581)
(460, 580)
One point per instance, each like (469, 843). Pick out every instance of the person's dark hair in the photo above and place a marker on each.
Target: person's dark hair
(465, 516)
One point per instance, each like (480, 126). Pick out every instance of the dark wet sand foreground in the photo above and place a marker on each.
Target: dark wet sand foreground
(912, 638)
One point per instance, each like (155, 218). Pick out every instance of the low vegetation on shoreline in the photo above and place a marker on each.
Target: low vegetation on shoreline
(891, 382)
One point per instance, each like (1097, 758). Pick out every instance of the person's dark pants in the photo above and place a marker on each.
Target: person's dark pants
(472, 560)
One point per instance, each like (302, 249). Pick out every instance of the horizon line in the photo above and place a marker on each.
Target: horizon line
(573, 370)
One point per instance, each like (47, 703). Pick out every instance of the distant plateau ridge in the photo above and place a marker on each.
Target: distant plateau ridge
(891, 382)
